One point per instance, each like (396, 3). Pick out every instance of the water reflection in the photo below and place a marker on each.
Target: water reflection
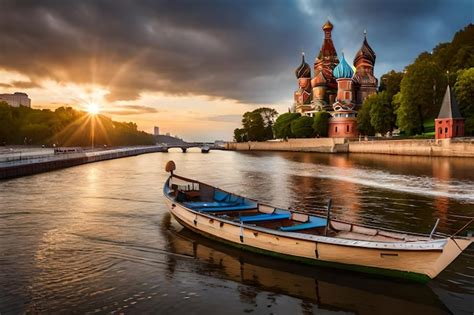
(96, 238)
(318, 288)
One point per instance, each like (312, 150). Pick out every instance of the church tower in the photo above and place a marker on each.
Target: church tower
(303, 95)
(343, 123)
(449, 123)
(324, 84)
(365, 81)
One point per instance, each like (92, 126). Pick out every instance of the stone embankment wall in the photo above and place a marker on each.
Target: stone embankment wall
(324, 145)
(49, 163)
(442, 147)
(446, 147)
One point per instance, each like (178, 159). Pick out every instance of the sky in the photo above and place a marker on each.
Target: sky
(194, 67)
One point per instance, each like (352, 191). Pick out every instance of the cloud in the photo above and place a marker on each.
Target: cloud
(225, 118)
(130, 110)
(244, 51)
(20, 85)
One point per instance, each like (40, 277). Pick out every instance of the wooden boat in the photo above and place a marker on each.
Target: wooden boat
(314, 239)
(330, 289)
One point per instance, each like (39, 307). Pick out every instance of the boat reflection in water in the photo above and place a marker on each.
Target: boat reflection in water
(318, 288)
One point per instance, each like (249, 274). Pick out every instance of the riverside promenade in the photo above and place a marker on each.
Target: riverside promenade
(458, 147)
(16, 163)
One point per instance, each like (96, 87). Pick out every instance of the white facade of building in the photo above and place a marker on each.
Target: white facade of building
(16, 99)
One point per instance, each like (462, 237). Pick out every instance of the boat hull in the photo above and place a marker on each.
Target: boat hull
(420, 266)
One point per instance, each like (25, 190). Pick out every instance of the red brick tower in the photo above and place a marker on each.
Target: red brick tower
(449, 123)
(303, 95)
(364, 79)
(343, 123)
(324, 81)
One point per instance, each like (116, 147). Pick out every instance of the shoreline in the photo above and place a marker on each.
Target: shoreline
(410, 147)
(47, 162)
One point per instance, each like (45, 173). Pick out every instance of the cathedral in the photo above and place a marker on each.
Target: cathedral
(336, 87)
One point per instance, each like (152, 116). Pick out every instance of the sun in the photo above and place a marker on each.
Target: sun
(93, 108)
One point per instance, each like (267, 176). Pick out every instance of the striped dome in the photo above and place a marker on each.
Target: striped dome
(343, 70)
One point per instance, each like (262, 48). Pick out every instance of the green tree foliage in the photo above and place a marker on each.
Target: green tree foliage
(268, 116)
(240, 135)
(254, 126)
(282, 126)
(65, 127)
(464, 91)
(257, 125)
(459, 53)
(382, 116)
(302, 127)
(363, 117)
(390, 82)
(321, 124)
(425, 80)
(422, 89)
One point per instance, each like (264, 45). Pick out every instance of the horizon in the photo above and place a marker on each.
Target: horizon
(194, 72)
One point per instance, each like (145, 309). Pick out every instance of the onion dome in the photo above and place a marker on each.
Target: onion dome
(327, 26)
(365, 53)
(343, 70)
(303, 70)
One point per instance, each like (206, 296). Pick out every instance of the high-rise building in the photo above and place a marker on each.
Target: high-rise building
(156, 131)
(16, 99)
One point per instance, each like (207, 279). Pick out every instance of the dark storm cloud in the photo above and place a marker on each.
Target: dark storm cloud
(243, 50)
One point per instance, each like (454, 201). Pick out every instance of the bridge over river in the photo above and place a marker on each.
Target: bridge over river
(184, 146)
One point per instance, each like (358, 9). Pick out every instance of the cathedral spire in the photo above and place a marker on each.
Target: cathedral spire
(365, 53)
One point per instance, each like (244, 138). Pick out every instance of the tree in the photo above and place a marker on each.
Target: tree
(282, 126)
(254, 126)
(302, 127)
(382, 116)
(64, 126)
(464, 91)
(268, 116)
(321, 123)
(390, 82)
(240, 135)
(421, 89)
(363, 117)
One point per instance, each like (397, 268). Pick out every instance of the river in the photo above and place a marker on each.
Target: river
(97, 238)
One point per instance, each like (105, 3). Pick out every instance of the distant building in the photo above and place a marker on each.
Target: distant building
(168, 134)
(16, 99)
(449, 123)
(156, 131)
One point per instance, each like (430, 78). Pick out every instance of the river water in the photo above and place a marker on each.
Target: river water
(97, 238)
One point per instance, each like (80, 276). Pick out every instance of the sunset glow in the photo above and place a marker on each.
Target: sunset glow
(93, 108)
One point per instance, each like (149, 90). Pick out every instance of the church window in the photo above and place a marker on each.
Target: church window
(336, 129)
(440, 130)
(446, 130)
(347, 128)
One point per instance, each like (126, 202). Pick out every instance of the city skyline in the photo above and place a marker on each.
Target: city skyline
(195, 71)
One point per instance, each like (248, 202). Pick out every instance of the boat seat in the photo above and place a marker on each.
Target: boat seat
(265, 217)
(201, 204)
(240, 207)
(313, 223)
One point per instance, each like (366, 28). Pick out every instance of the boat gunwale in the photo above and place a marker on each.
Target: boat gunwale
(436, 244)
